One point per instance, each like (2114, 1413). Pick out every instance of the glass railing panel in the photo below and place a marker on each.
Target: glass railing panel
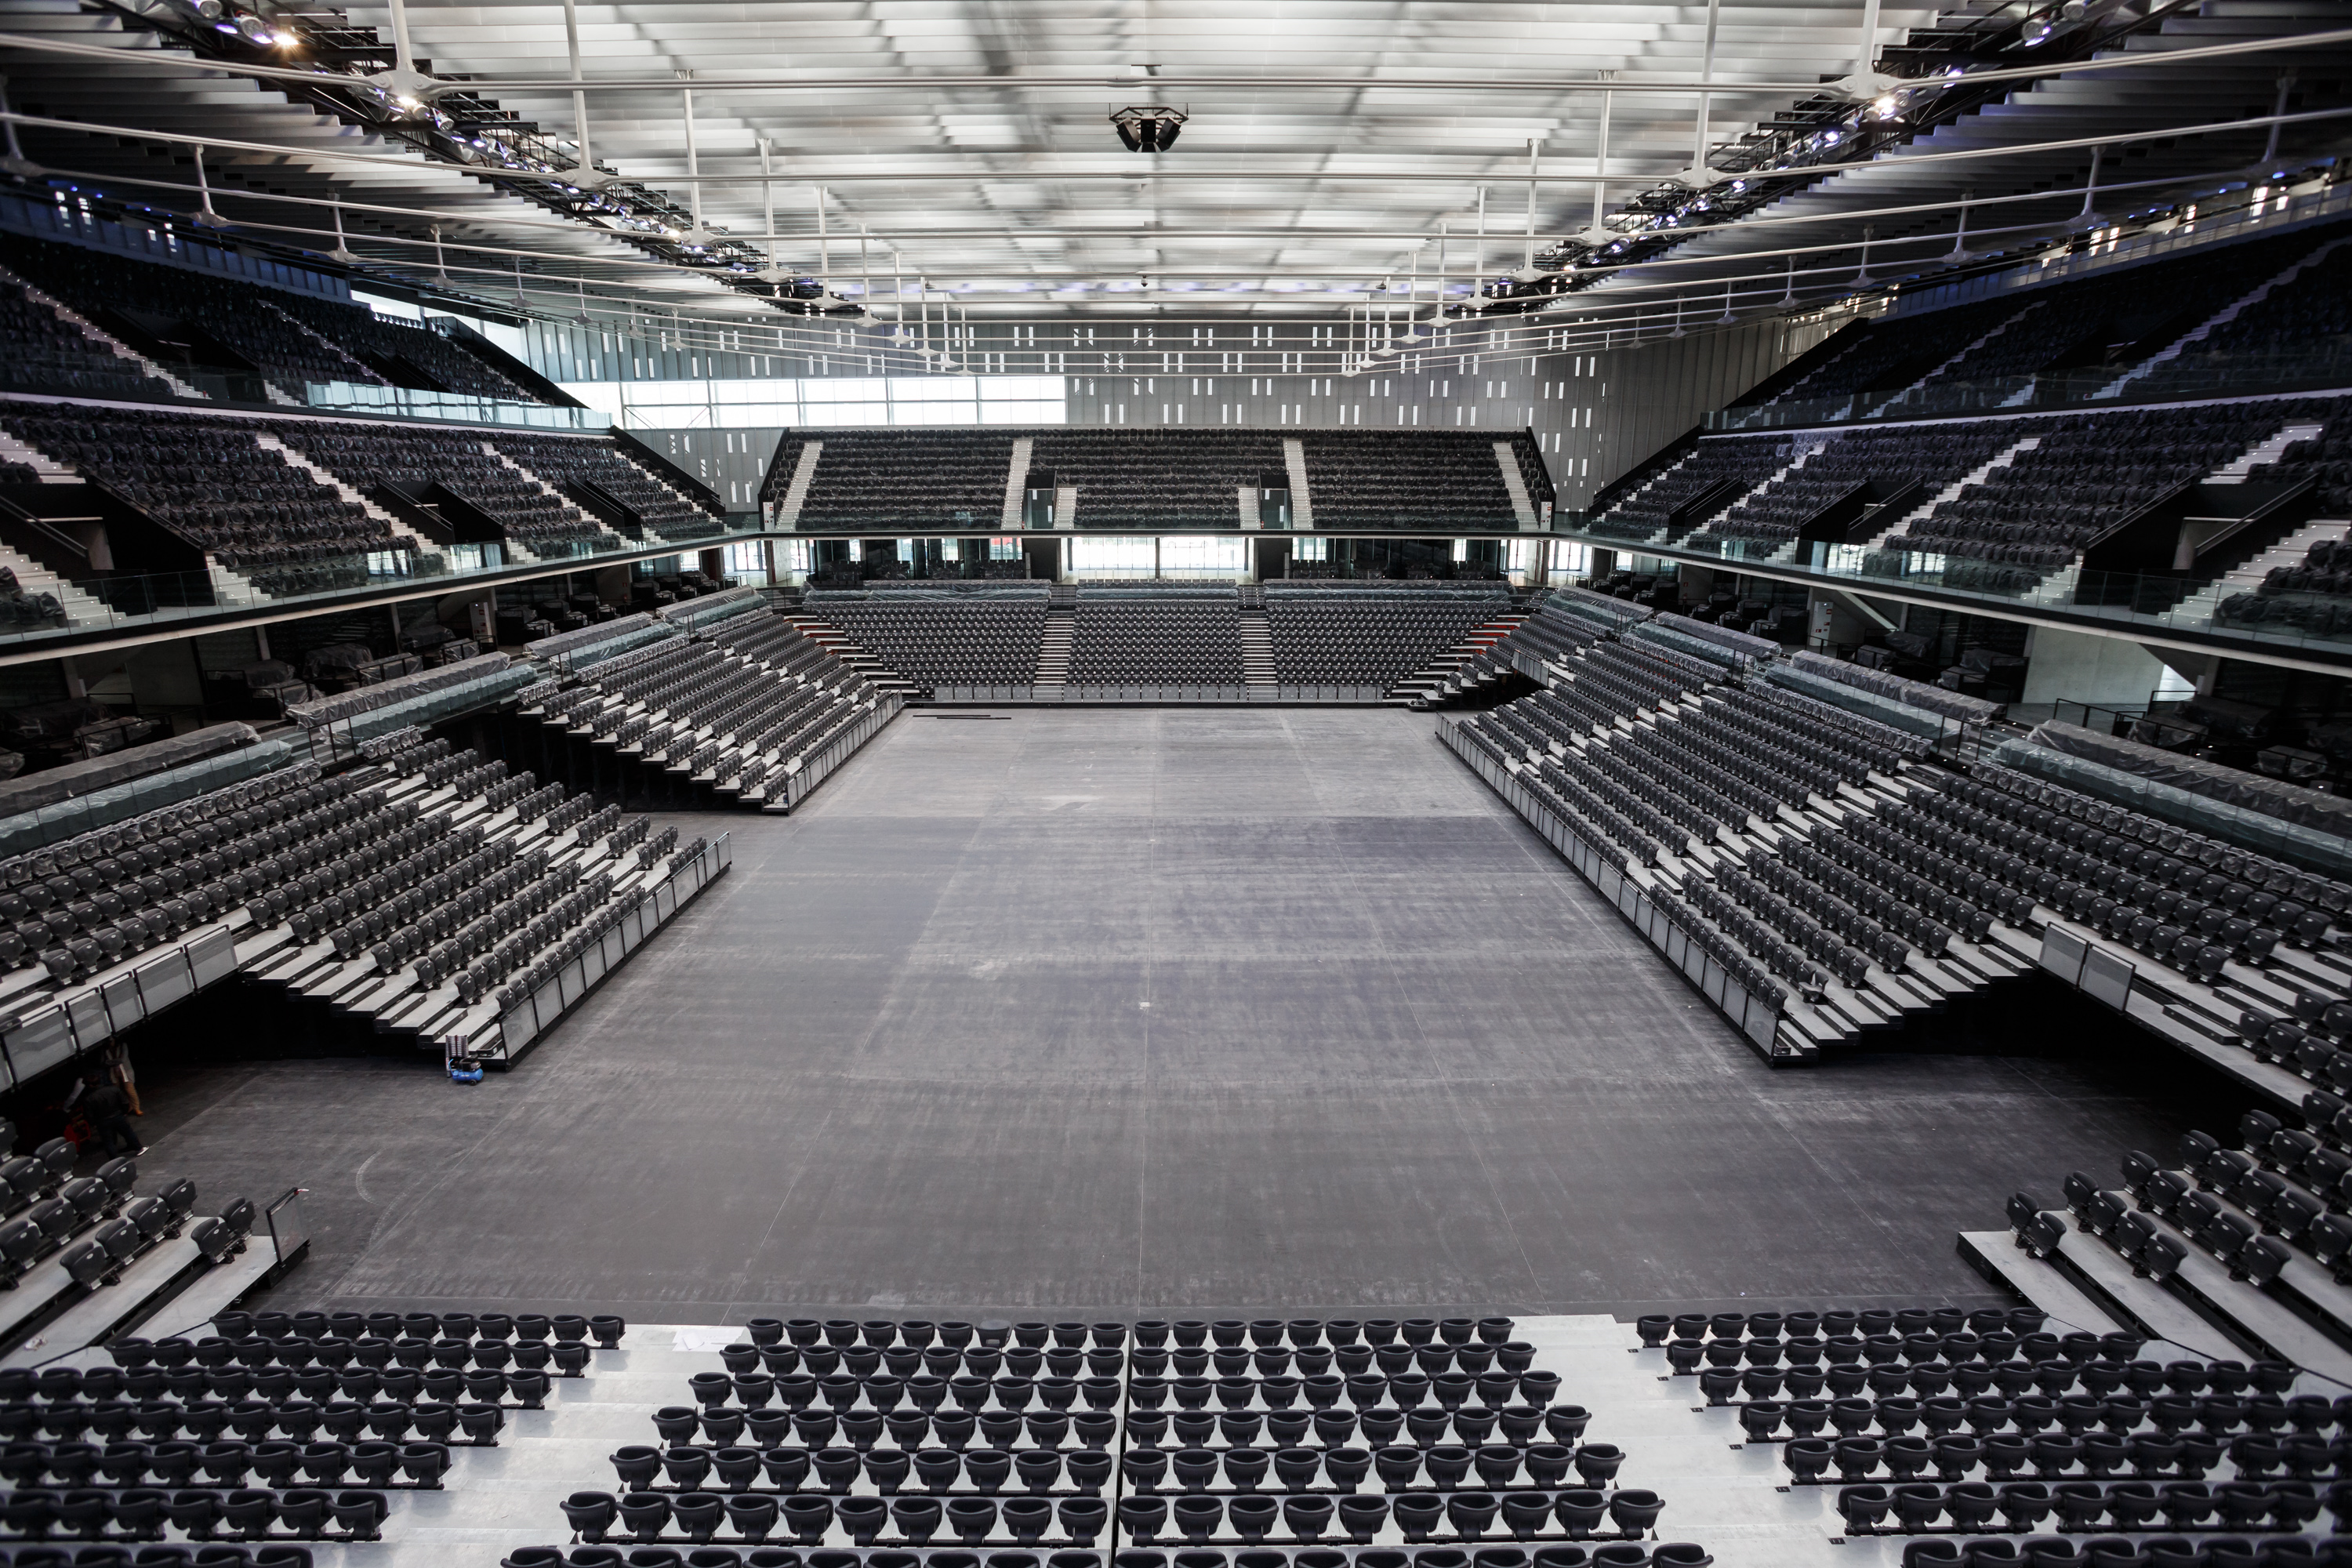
(455, 407)
(132, 602)
(2156, 603)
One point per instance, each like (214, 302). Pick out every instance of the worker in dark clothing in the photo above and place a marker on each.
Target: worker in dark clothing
(108, 1112)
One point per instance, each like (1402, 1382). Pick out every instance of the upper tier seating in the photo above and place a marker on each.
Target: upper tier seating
(48, 350)
(291, 339)
(1164, 639)
(1750, 460)
(938, 639)
(1893, 353)
(1157, 478)
(2088, 473)
(398, 350)
(890, 479)
(559, 459)
(1419, 480)
(1934, 455)
(527, 512)
(2148, 306)
(209, 479)
(1432, 482)
(2022, 333)
(2314, 310)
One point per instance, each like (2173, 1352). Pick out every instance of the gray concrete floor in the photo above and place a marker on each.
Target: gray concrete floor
(1135, 1012)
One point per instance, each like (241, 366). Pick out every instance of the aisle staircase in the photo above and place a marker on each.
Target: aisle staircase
(1016, 484)
(2198, 607)
(81, 609)
(103, 339)
(1440, 675)
(26, 455)
(2237, 470)
(400, 529)
(1523, 505)
(2221, 318)
(1054, 648)
(1258, 648)
(1302, 504)
(1893, 538)
(850, 652)
(788, 511)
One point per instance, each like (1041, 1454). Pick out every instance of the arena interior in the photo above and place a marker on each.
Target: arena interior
(1003, 784)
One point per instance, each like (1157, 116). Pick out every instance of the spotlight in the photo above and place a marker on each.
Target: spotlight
(1151, 128)
(409, 91)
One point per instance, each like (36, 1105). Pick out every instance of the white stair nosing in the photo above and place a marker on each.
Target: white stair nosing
(1016, 482)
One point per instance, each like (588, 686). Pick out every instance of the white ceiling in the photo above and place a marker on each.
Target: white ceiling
(1016, 187)
(1329, 144)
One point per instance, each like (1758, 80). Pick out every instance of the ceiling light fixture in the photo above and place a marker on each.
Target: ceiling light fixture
(1148, 128)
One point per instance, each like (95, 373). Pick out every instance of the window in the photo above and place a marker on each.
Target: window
(746, 560)
(1204, 557)
(1004, 548)
(1310, 550)
(1114, 557)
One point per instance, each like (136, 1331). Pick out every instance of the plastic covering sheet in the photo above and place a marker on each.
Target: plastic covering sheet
(1585, 605)
(416, 698)
(708, 607)
(62, 819)
(2312, 848)
(588, 655)
(1855, 700)
(1720, 659)
(2328, 815)
(1912, 693)
(89, 778)
(564, 643)
(1752, 650)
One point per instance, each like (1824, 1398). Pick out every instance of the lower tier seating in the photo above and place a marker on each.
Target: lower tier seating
(1015, 1437)
(1845, 875)
(959, 639)
(1343, 635)
(747, 707)
(1157, 640)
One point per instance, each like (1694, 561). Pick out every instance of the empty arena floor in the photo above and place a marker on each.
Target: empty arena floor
(1160, 1012)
